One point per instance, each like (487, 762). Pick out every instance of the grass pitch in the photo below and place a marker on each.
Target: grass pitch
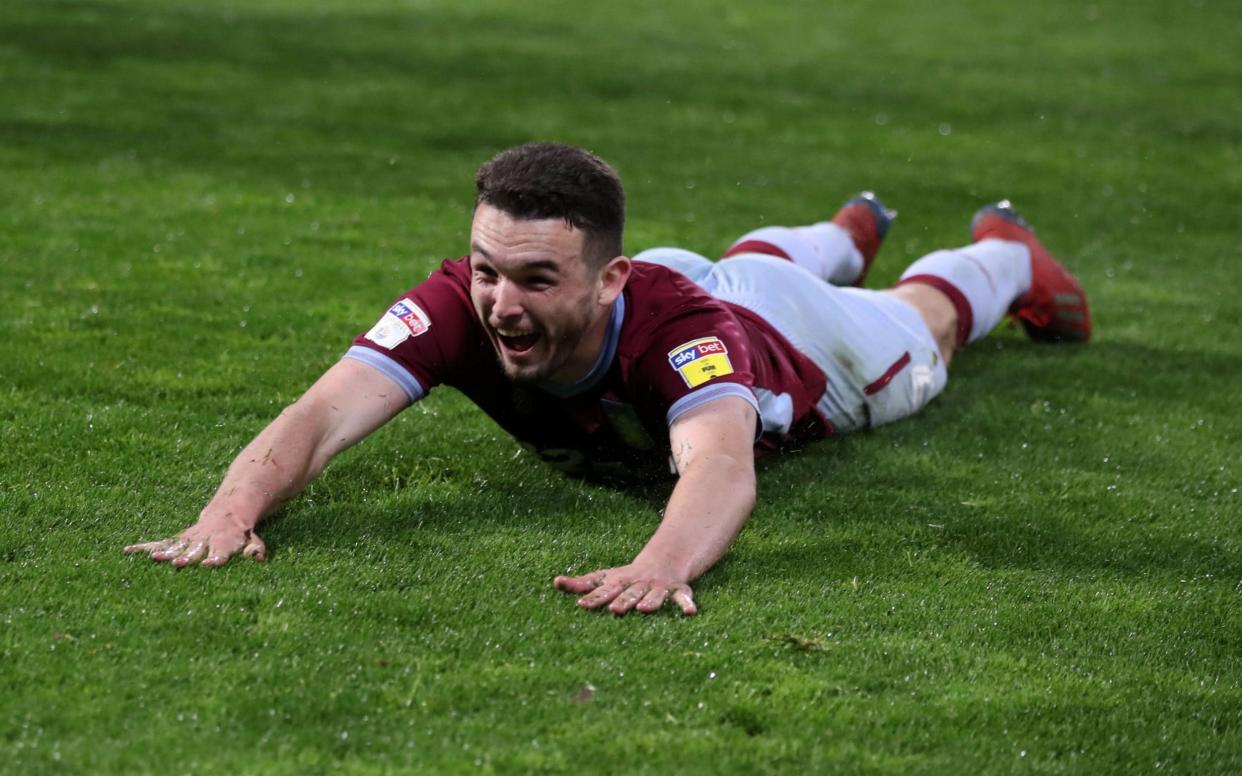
(201, 203)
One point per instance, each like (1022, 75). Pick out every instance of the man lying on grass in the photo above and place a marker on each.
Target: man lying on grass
(663, 364)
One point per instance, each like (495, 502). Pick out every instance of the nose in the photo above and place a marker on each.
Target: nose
(508, 303)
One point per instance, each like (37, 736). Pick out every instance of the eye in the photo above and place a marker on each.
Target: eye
(484, 273)
(541, 282)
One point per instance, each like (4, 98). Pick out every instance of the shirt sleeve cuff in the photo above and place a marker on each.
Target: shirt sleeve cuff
(710, 393)
(390, 369)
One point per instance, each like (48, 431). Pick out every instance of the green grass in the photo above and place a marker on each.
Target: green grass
(201, 203)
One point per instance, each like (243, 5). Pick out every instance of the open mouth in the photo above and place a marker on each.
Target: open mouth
(518, 343)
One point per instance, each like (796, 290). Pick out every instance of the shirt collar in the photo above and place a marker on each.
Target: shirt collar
(612, 336)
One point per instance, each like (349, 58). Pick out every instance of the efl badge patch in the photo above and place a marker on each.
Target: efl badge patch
(701, 360)
(402, 321)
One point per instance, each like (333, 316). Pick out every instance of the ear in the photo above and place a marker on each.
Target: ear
(612, 279)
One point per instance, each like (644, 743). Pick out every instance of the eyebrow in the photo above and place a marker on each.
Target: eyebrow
(535, 265)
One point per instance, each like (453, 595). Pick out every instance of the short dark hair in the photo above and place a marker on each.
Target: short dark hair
(552, 180)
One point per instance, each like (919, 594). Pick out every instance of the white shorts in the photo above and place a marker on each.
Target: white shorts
(881, 361)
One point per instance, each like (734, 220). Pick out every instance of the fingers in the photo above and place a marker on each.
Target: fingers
(598, 588)
(210, 548)
(623, 593)
(658, 594)
(601, 595)
(224, 547)
(171, 550)
(193, 554)
(654, 599)
(629, 598)
(220, 553)
(583, 584)
(255, 548)
(150, 546)
(684, 597)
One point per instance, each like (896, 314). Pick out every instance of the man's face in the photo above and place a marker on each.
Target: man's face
(534, 294)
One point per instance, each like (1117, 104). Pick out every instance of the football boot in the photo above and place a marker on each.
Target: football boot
(1055, 307)
(867, 221)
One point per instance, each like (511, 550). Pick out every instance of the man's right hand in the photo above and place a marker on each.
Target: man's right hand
(351, 400)
(210, 543)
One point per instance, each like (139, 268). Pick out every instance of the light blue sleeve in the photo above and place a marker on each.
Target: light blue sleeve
(390, 368)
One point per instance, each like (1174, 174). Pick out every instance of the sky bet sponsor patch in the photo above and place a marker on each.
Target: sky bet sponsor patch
(402, 321)
(701, 360)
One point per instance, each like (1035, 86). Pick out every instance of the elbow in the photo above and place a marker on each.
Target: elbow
(740, 475)
(748, 483)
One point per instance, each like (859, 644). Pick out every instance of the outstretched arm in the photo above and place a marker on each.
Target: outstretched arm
(348, 402)
(714, 454)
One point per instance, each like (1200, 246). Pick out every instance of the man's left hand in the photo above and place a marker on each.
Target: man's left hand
(629, 587)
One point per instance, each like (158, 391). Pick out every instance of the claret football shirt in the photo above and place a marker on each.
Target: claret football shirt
(670, 347)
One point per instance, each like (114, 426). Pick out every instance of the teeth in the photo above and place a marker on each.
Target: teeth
(511, 333)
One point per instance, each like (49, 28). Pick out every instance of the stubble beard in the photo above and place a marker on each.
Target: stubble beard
(562, 350)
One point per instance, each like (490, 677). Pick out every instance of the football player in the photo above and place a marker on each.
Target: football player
(664, 364)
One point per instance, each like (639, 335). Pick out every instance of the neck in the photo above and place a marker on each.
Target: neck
(587, 351)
